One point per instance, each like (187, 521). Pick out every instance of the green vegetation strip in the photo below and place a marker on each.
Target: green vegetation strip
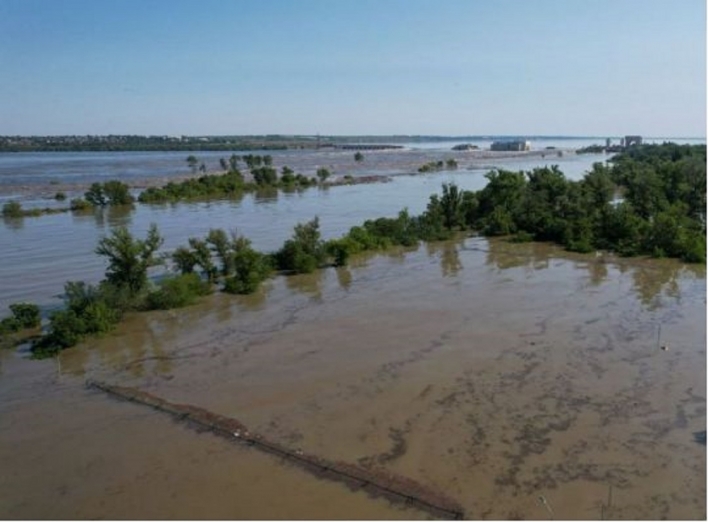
(652, 201)
(375, 482)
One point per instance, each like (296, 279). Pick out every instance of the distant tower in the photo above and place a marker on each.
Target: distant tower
(608, 142)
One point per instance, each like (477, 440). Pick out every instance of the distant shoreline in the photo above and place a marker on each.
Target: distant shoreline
(132, 143)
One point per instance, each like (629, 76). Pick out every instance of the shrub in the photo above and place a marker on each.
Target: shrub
(184, 259)
(95, 196)
(12, 209)
(305, 251)
(251, 268)
(340, 250)
(60, 196)
(521, 237)
(9, 325)
(176, 292)
(26, 314)
(80, 205)
(117, 193)
(323, 174)
(68, 327)
(692, 247)
(112, 192)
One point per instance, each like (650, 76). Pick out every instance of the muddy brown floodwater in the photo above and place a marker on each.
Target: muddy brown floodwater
(519, 380)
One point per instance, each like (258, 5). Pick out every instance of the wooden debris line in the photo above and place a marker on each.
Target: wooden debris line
(377, 483)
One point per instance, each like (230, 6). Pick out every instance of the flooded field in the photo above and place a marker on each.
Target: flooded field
(41, 253)
(521, 381)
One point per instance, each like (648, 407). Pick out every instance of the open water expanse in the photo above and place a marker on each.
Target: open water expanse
(498, 374)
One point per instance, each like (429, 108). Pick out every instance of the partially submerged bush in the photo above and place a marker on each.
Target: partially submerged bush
(12, 209)
(305, 251)
(177, 292)
(24, 316)
(90, 310)
(250, 268)
(80, 205)
(112, 192)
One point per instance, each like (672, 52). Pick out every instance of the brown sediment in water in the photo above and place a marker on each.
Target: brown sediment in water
(376, 482)
(493, 372)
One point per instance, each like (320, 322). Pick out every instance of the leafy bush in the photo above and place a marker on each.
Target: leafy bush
(118, 193)
(112, 192)
(184, 260)
(80, 205)
(250, 268)
(305, 251)
(95, 196)
(9, 325)
(323, 174)
(341, 249)
(60, 196)
(89, 310)
(521, 237)
(177, 292)
(12, 209)
(26, 314)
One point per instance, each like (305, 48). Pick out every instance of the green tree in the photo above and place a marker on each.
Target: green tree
(184, 259)
(192, 163)
(233, 162)
(26, 314)
(95, 195)
(129, 258)
(305, 251)
(358, 157)
(177, 292)
(451, 206)
(323, 174)
(202, 254)
(219, 242)
(12, 209)
(117, 193)
(250, 268)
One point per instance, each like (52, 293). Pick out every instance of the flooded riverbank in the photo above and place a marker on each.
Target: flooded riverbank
(41, 254)
(496, 373)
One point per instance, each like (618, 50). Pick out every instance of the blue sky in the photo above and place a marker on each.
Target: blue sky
(448, 67)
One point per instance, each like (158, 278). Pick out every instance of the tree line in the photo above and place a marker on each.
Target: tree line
(650, 201)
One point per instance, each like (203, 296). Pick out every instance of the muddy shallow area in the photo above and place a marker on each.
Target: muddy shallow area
(522, 381)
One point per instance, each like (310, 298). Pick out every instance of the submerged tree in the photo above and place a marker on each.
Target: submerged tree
(192, 162)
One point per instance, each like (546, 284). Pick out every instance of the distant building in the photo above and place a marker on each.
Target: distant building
(608, 142)
(512, 145)
(632, 140)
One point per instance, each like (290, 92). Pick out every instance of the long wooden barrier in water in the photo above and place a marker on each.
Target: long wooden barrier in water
(377, 483)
